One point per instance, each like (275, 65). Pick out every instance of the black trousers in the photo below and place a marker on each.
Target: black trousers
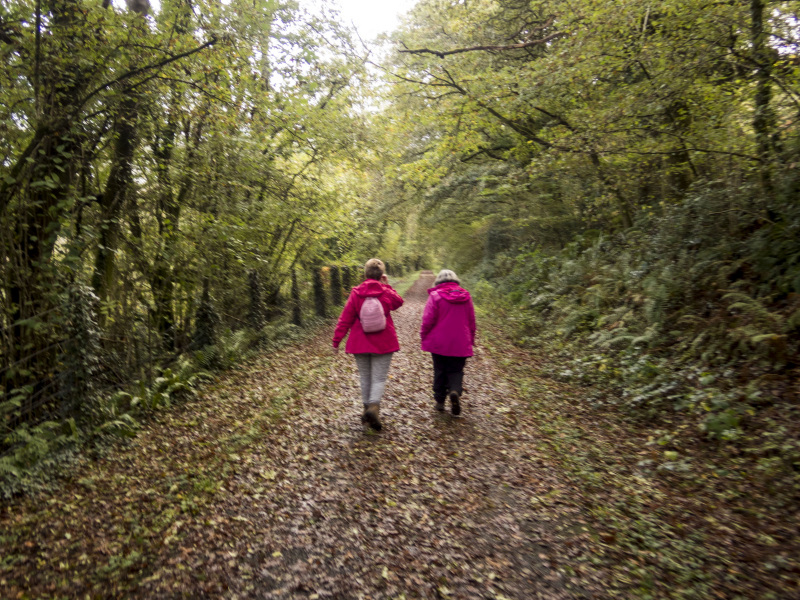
(448, 375)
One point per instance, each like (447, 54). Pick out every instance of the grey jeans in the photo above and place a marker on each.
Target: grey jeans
(373, 370)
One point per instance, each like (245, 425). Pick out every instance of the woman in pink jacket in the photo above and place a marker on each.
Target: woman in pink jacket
(448, 333)
(373, 351)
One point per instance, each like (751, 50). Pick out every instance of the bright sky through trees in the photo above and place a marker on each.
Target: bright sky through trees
(372, 18)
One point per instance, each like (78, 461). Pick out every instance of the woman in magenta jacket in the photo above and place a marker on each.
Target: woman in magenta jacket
(372, 351)
(448, 333)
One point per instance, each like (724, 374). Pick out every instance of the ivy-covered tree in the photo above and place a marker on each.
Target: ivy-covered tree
(336, 286)
(297, 305)
(206, 322)
(320, 299)
(256, 314)
(145, 151)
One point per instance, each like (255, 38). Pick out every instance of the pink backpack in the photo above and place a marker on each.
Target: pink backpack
(371, 315)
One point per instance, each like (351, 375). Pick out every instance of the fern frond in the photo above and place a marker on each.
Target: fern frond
(7, 467)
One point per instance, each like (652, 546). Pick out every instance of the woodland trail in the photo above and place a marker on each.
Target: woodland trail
(270, 487)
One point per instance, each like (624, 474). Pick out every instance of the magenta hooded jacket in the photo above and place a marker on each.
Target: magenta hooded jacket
(380, 342)
(448, 323)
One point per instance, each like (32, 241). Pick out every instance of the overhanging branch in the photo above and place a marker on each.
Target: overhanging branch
(489, 48)
(156, 65)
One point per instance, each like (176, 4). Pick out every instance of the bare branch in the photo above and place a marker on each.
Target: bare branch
(503, 48)
(490, 152)
(156, 65)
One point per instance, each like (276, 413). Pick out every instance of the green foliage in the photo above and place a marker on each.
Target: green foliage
(81, 362)
(599, 115)
(169, 385)
(146, 157)
(234, 347)
(34, 453)
(681, 314)
(231, 348)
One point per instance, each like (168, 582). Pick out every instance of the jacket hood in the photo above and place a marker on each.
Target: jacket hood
(370, 287)
(451, 292)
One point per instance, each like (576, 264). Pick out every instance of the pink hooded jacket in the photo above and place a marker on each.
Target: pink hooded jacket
(448, 323)
(380, 342)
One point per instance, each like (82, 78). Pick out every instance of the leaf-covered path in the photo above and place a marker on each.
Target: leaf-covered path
(269, 486)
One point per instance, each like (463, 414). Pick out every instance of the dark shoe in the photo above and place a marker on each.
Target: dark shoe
(371, 416)
(439, 406)
(455, 403)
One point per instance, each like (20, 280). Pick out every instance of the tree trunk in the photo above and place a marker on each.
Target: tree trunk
(320, 304)
(336, 286)
(119, 180)
(346, 278)
(113, 198)
(297, 307)
(38, 194)
(763, 116)
(168, 213)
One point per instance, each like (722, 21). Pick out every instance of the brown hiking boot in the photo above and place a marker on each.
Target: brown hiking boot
(455, 403)
(439, 406)
(371, 416)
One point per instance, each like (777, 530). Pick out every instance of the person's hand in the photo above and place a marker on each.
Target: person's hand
(336, 351)
(385, 278)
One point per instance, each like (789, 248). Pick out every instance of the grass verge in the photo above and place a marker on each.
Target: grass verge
(666, 525)
(402, 284)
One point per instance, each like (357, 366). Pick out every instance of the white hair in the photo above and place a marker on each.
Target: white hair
(446, 275)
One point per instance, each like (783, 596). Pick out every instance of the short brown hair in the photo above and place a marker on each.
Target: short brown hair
(373, 269)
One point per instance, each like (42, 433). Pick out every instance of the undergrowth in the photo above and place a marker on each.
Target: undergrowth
(688, 322)
(672, 514)
(37, 455)
(669, 391)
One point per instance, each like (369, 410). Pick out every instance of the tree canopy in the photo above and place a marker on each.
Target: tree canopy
(151, 159)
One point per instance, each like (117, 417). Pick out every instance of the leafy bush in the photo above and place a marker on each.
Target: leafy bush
(34, 452)
(172, 383)
(684, 312)
(233, 347)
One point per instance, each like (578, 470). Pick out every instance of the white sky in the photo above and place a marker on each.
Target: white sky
(372, 17)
